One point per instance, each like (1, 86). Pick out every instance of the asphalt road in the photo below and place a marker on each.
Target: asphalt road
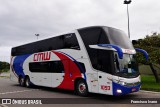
(63, 98)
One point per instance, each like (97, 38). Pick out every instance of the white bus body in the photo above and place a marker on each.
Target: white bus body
(81, 60)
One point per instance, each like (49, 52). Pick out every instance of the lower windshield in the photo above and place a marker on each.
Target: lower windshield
(126, 67)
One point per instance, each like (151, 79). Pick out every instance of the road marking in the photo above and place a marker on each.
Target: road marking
(149, 92)
(12, 92)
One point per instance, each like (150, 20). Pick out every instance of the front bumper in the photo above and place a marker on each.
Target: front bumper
(119, 89)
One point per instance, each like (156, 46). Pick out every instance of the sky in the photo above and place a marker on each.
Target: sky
(20, 20)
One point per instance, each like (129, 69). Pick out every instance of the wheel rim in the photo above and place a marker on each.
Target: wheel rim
(27, 82)
(82, 88)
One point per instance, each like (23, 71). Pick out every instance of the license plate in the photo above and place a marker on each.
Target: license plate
(133, 89)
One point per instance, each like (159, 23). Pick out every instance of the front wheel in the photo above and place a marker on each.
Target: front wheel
(81, 88)
(27, 82)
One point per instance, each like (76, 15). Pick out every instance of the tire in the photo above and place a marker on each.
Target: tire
(21, 81)
(27, 82)
(81, 88)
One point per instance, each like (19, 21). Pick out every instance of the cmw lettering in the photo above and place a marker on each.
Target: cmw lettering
(42, 56)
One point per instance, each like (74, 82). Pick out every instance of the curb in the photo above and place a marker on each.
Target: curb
(149, 92)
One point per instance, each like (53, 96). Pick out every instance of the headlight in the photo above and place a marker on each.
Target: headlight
(119, 91)
(122, 83)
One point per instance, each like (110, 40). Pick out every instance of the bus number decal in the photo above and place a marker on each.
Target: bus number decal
(103, 87)
(42, 56)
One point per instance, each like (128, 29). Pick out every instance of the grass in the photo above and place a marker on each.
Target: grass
(4, 77)
(149, 83)
(148, 80)
(146, 70)
(4, 70)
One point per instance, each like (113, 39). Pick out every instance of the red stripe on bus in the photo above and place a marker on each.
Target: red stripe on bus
(71, 72)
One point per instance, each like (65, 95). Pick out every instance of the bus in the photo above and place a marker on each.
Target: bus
(96, 59)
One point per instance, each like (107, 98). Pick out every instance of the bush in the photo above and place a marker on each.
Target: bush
(4, 66)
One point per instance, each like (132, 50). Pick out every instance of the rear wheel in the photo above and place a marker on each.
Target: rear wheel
(27, 82)
(21, 81)
(81, 88)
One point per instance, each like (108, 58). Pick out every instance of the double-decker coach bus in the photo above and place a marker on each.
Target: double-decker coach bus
(96, 59)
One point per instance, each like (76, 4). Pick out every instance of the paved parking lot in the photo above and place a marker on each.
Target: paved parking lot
(9, 89)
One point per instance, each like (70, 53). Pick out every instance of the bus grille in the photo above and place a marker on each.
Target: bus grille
(132, 84)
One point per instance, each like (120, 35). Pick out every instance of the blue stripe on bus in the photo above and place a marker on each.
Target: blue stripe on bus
(116, 47)
(18, 64)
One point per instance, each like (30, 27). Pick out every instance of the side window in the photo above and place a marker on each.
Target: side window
(70, 41)
(100, 59)
(58, 67)
(82, 66)
(38, 67)
(46, 67)
(104, 61)
(13, 52)
(50, 48)
(57, 43)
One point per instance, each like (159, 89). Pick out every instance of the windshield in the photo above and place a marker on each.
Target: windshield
(118, 37)
(126, 67)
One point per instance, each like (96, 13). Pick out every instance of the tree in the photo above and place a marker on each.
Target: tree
(152, 45)
(4, 66)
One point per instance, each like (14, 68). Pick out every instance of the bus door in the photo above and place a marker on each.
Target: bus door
(105, 68)
(58, 72)
(105, 83)
(93, 80)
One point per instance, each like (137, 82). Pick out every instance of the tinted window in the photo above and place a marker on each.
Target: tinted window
(100, 59)
(93, 36)
(119, 38)
(47, 67)
(71, 42)
(82, 67)
(40, 46)
(103, 60)
(59, 42)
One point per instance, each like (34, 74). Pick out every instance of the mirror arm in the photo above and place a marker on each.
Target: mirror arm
(142, 51)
